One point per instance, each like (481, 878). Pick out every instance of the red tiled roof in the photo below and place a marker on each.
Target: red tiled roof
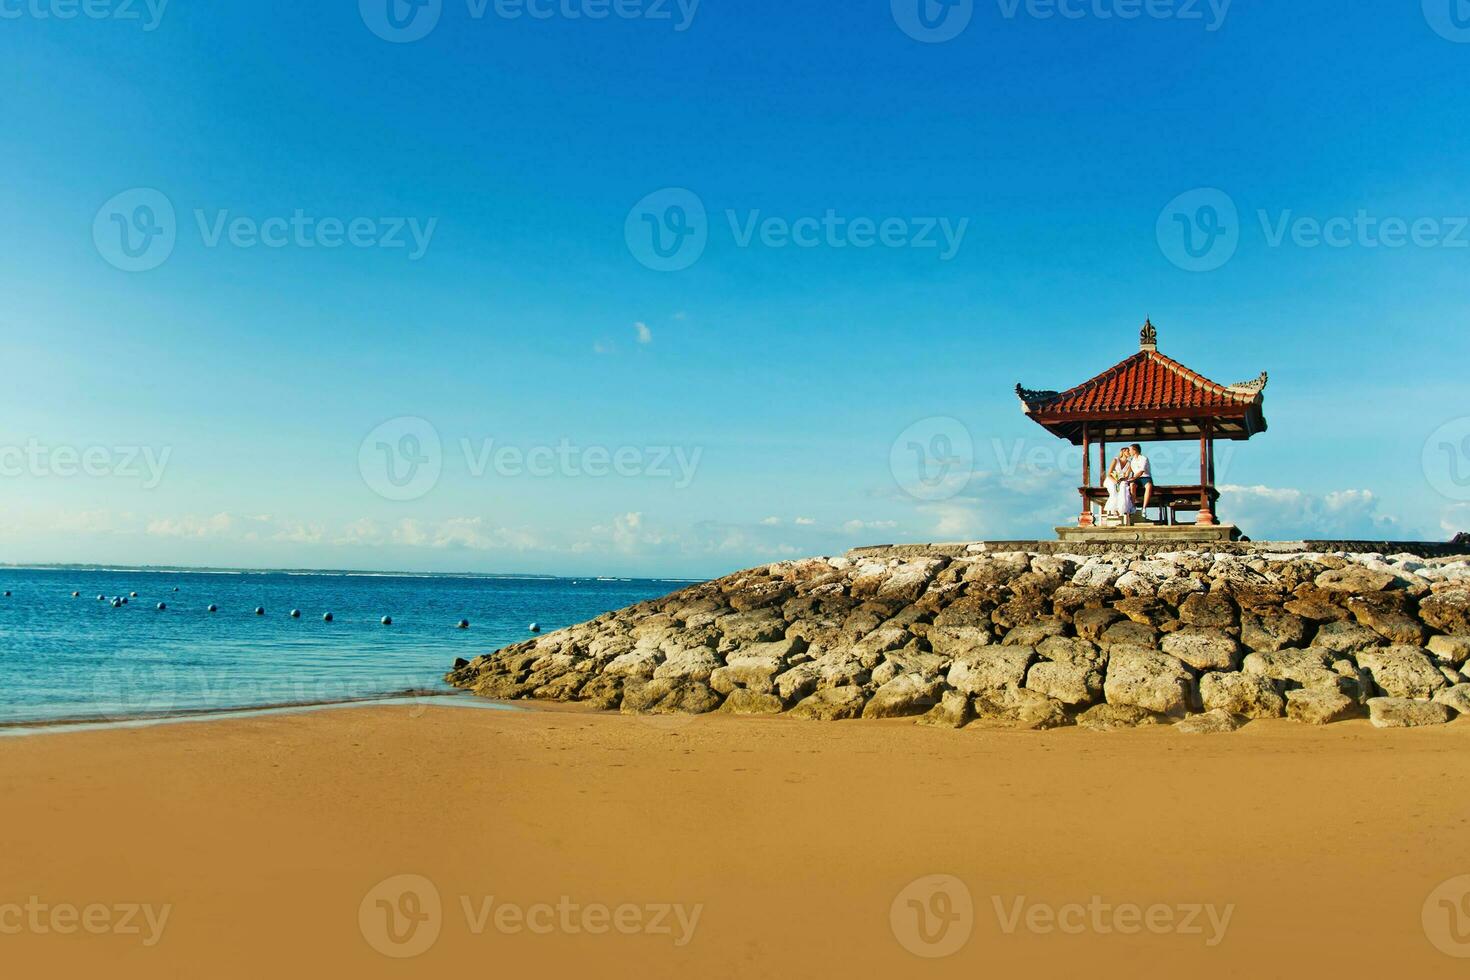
(1147, 381)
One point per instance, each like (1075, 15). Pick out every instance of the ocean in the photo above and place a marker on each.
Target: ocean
(65, 657)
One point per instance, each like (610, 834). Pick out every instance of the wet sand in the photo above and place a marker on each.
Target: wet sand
(558, 842)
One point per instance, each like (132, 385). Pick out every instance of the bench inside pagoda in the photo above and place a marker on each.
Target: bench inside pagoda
(1148, 399)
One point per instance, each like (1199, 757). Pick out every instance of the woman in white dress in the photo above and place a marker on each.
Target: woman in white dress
(1119, 486)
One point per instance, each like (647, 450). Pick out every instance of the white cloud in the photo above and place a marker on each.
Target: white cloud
(771, 521)
(805, 521)
(856, 526)
(220, 525)
(1285, 513)
(645, 335)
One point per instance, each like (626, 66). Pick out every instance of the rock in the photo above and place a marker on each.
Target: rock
(1319, 706)
(1096, 572)
(1317, 609)
(1146, 612)
(1406, 713)
(602, 692)
(1354, 579)
(1213, 722)
(667, 696)
(952, 711)
(761, 596)
(1345, 637)
(871, 648)
(1070, 650)
(840, 669)
(910, 660)
(797, 682)
(744, 628)
(831, 704)
(564, 688)
(1456, 698)
(743, 702)
(1148, 679)
(1402, 672)
(1177, 591)
(909, 580)
(1380, 612)
(640, 663)
(1250, 695)
(1450, 649)
(1111, 717)
(1448, 611)
(1019, 708)
(1304, 667)
(1204, 648)
(911, 694)
(969, 610)
(690, 664)
(1070, 683)
(1090, 623)
(990, 668)
(1265, 632)
(958, 641)
(1129, 633)
(1207, 610)
(1032, 634)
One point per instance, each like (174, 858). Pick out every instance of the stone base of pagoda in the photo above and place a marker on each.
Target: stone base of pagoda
(1151, 534)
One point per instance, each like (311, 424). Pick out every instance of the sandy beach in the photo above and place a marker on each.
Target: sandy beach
(567, 842)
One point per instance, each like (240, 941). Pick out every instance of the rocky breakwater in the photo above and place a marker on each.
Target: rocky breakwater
(1206, 640)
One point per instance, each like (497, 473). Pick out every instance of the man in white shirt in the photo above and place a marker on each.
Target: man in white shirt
(1143, 476)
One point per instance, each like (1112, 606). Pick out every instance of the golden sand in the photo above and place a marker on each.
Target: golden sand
(566, 843)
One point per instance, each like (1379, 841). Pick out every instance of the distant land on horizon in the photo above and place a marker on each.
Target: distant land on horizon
(210, 570)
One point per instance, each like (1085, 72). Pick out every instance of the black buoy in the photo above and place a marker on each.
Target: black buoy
(176, 588)
(464, 624)
(125, 600)
(102, 598)
(7, 593)
(117, 603)
(133, 594)
(326, 617)
(162, 606)
(213, 607)
(296, 614)
(260, 610)
(75, 594)
(534, 627)
(387, 620)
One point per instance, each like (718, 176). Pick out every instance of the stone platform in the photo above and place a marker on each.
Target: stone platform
(1150, 534)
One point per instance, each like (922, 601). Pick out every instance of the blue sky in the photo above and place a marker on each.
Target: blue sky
(237, 399)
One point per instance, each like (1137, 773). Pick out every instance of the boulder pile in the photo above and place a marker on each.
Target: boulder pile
(1206, 639)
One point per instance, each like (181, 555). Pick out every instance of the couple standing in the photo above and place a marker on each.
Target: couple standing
(1129, 477)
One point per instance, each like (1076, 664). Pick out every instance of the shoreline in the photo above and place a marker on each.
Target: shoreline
(96, 722)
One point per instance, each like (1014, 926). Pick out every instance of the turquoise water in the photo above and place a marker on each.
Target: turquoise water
(78, 658)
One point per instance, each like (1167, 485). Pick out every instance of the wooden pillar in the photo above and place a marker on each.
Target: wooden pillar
(1206, 473)
(1102, 462)
(1085, 519)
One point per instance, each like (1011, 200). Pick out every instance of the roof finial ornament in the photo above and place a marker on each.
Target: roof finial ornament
(1148, 337)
